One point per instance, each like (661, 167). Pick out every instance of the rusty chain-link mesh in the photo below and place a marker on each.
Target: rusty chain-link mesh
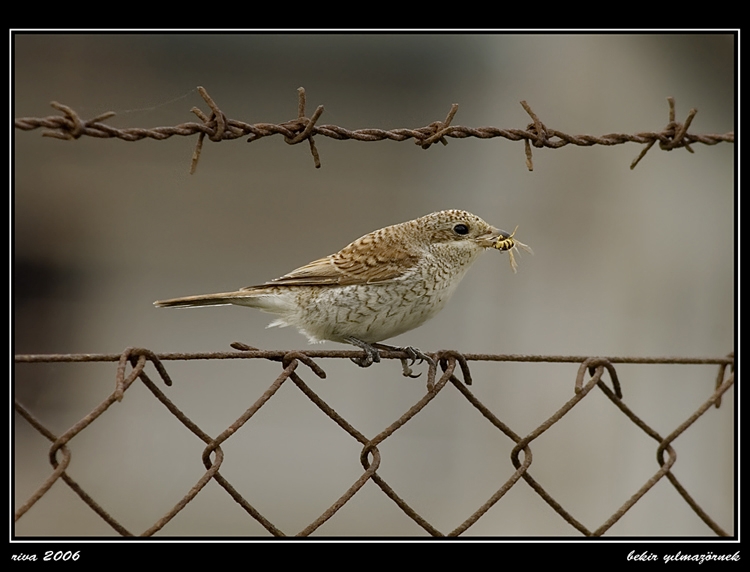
(450, 369)
(218, 127)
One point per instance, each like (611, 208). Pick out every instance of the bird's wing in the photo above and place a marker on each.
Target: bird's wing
(368, 260)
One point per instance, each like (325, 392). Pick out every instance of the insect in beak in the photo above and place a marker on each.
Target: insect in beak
(510, 244)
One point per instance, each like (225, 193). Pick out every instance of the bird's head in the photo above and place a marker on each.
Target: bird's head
(461, 235)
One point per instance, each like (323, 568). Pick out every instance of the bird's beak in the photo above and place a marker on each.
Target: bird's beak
(493, 238)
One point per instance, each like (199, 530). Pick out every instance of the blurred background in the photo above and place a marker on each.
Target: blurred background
(626, 263)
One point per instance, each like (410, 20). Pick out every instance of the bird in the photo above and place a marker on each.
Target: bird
(383, 284)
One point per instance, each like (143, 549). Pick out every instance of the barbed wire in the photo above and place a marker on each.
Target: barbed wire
(448, 361)
(218, 127)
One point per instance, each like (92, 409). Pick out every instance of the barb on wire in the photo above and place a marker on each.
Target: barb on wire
(218, 127)
(371, 453)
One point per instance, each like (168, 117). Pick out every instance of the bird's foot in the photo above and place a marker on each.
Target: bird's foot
(372, 355)
(414, 355)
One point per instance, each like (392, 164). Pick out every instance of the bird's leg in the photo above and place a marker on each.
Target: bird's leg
(372, 355)
(414, 355)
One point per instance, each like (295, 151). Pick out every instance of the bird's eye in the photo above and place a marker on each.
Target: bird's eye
(461, 229)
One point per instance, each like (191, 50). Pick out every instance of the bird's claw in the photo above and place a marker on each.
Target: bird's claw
(414, 355)
(372, 355)
(367, 360)
(407, 371)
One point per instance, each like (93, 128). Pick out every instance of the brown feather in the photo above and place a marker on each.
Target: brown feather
(374, 258)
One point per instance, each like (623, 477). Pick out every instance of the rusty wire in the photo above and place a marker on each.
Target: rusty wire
(218, 127)
(449, 362)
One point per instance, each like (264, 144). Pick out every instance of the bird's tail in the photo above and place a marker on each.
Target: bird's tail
(221, 299)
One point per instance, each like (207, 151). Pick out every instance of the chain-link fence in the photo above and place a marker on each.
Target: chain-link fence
(452, 371)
